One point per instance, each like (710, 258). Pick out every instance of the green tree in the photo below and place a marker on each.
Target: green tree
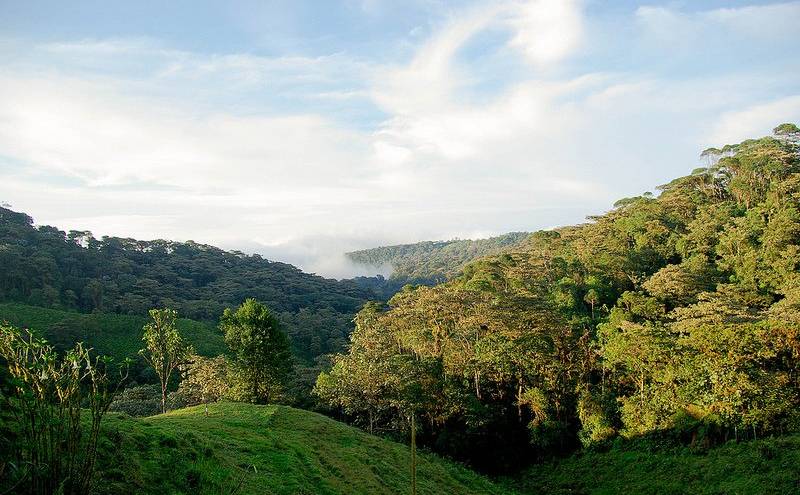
(165, 350)
(262, 358)
(205, 380)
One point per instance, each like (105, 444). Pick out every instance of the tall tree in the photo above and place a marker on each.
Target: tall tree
(165, 349)
(262, 357)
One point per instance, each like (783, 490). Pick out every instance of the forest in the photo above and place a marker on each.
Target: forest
(672, 315)
(43, 266)
(432, 262)
(664, 329)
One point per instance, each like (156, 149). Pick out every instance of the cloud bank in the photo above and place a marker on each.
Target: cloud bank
(493, 117)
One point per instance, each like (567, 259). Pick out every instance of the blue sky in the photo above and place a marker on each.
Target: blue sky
(304, 129)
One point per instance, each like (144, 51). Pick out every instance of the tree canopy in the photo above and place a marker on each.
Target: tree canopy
(432, 262)
(262, 359)
(676, 312)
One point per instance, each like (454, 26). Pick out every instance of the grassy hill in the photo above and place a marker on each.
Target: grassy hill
(762, 467)
(111, 334)
(266, 449)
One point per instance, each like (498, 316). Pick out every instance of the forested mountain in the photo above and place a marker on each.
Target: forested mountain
(46, 267)
(674, 316)
(434, 261)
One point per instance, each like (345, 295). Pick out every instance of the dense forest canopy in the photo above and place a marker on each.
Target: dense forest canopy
(431, 262)
(43, 266)
(677, 313)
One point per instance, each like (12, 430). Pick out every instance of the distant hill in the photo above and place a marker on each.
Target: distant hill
(45, 267)
(267, 449)
(434, 261)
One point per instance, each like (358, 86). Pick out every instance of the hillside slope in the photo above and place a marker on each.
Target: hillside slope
(268, 449)
(770, 466)
(118, 336)
(434, 261)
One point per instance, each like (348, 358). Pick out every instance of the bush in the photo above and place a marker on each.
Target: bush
(142, 400)
(178, 400)
(47, 394)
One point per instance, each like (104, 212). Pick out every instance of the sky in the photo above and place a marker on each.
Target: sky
(303, 129)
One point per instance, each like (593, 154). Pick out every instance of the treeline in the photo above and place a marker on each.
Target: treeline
(672, 316)
(46, 267)
(432, 262)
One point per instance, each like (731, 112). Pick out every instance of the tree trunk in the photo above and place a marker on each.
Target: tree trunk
(603, 379)
(641, 389)
(163, 398)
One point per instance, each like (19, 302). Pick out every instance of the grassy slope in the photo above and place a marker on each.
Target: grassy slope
(112, 334)
(770, 466)
(293, 452)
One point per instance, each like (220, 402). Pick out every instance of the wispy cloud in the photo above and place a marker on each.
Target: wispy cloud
(299, 155)
(771, 22)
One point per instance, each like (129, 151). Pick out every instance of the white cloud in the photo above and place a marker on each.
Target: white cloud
(757, 120)
(547, 30)
(428, 112)
(243, 151)
(104, 138)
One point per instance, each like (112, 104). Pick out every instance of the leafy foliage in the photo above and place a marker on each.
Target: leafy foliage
(205, 380)
(165, 349)
(683, 305)
(45, 395)
(138, 400)
(262, 359)
(116, 336)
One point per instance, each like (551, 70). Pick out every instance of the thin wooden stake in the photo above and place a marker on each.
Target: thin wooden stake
(413, 456)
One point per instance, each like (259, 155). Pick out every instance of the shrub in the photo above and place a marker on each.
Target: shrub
(142, 400)
(46, 395)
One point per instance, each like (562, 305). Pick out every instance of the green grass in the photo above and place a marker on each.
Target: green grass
(268, 449)
(111, 334)
(769, 466)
